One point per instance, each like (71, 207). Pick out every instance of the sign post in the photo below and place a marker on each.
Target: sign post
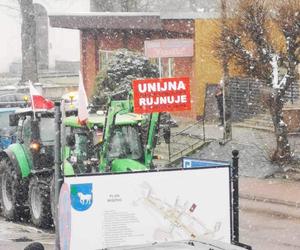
(57, 171)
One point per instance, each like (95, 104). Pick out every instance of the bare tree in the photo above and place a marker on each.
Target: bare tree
(151, 5)
(288, 19)
(28, 37)
(129, 5)
(116, 5)
(102, 5)
(227, 133)
(247, 40)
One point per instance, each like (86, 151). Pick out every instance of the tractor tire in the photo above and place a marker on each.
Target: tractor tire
(14, 192)
(39, 202)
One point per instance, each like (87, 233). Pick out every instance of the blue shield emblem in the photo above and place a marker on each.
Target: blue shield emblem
(81, 196)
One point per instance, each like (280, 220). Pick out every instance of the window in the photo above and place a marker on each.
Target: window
(81, 147)
(167, 66)
(80, 152)
(25, 127)
(47, 131)
(104, 57)
(125, 143)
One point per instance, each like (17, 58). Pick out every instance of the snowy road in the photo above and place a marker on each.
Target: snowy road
(14, 236)
(262, 230)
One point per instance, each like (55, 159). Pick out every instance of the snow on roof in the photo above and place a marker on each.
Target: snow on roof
(104, 14)
(122, 20)
(190, 15)
(107, 20)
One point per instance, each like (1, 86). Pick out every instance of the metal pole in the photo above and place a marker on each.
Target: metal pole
(160, 67)
(292, 92)
(224, 111)
(227, 133)
(235, 186)
(57, 173)
(170, 75)
(203, 128)
(169, 145)
(169, 67)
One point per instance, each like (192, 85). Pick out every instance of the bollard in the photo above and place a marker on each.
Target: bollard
(235, 186)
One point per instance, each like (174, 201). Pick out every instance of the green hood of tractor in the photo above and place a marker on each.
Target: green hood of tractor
(99, 120)
(126, 165)
(72, 121)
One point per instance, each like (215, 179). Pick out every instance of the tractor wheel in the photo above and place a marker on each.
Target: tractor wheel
(14, 192)
(39, 202)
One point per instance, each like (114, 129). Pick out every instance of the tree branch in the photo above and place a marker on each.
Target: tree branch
(9, 7)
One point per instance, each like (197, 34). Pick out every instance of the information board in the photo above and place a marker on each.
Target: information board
(145, 207)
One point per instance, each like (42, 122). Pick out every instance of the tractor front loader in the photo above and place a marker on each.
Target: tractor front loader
(117, 141)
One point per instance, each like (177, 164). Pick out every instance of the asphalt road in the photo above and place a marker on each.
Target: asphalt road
(260, 228)
(265, 231)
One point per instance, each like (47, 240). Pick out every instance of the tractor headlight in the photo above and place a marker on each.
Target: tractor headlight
(35, 146)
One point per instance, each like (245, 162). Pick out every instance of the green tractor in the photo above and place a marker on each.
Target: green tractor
(26, 168)
(118, 141)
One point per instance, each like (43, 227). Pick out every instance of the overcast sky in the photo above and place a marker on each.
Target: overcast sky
(64, 44)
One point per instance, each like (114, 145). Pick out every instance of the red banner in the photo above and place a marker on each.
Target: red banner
(161, 95)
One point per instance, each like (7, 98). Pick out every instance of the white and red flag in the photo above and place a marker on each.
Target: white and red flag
(37, 100)
(83, 112)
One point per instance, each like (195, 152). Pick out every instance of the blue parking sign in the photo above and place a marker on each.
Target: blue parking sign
(197, 163)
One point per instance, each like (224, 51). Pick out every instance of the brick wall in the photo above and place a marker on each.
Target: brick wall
(93, 40)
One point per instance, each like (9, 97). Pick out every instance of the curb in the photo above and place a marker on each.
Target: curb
(268, 206)
(270, 200)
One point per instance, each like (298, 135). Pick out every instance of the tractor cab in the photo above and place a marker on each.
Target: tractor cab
(36, 134)
(87, 150)
(82, 144)
(125, 150)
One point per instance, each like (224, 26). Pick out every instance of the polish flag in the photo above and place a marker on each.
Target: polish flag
(83, 112)
(37, 100)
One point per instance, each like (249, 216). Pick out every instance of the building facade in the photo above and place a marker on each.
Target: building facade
(101, 33)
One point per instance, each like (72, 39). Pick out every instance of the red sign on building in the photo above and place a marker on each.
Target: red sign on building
(161, 95)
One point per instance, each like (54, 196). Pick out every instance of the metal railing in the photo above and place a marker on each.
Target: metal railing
(189, 147)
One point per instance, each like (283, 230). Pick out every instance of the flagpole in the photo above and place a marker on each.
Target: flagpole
(31, 97)
(82, 102)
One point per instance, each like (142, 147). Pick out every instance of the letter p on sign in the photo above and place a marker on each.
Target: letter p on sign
(161, 95)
